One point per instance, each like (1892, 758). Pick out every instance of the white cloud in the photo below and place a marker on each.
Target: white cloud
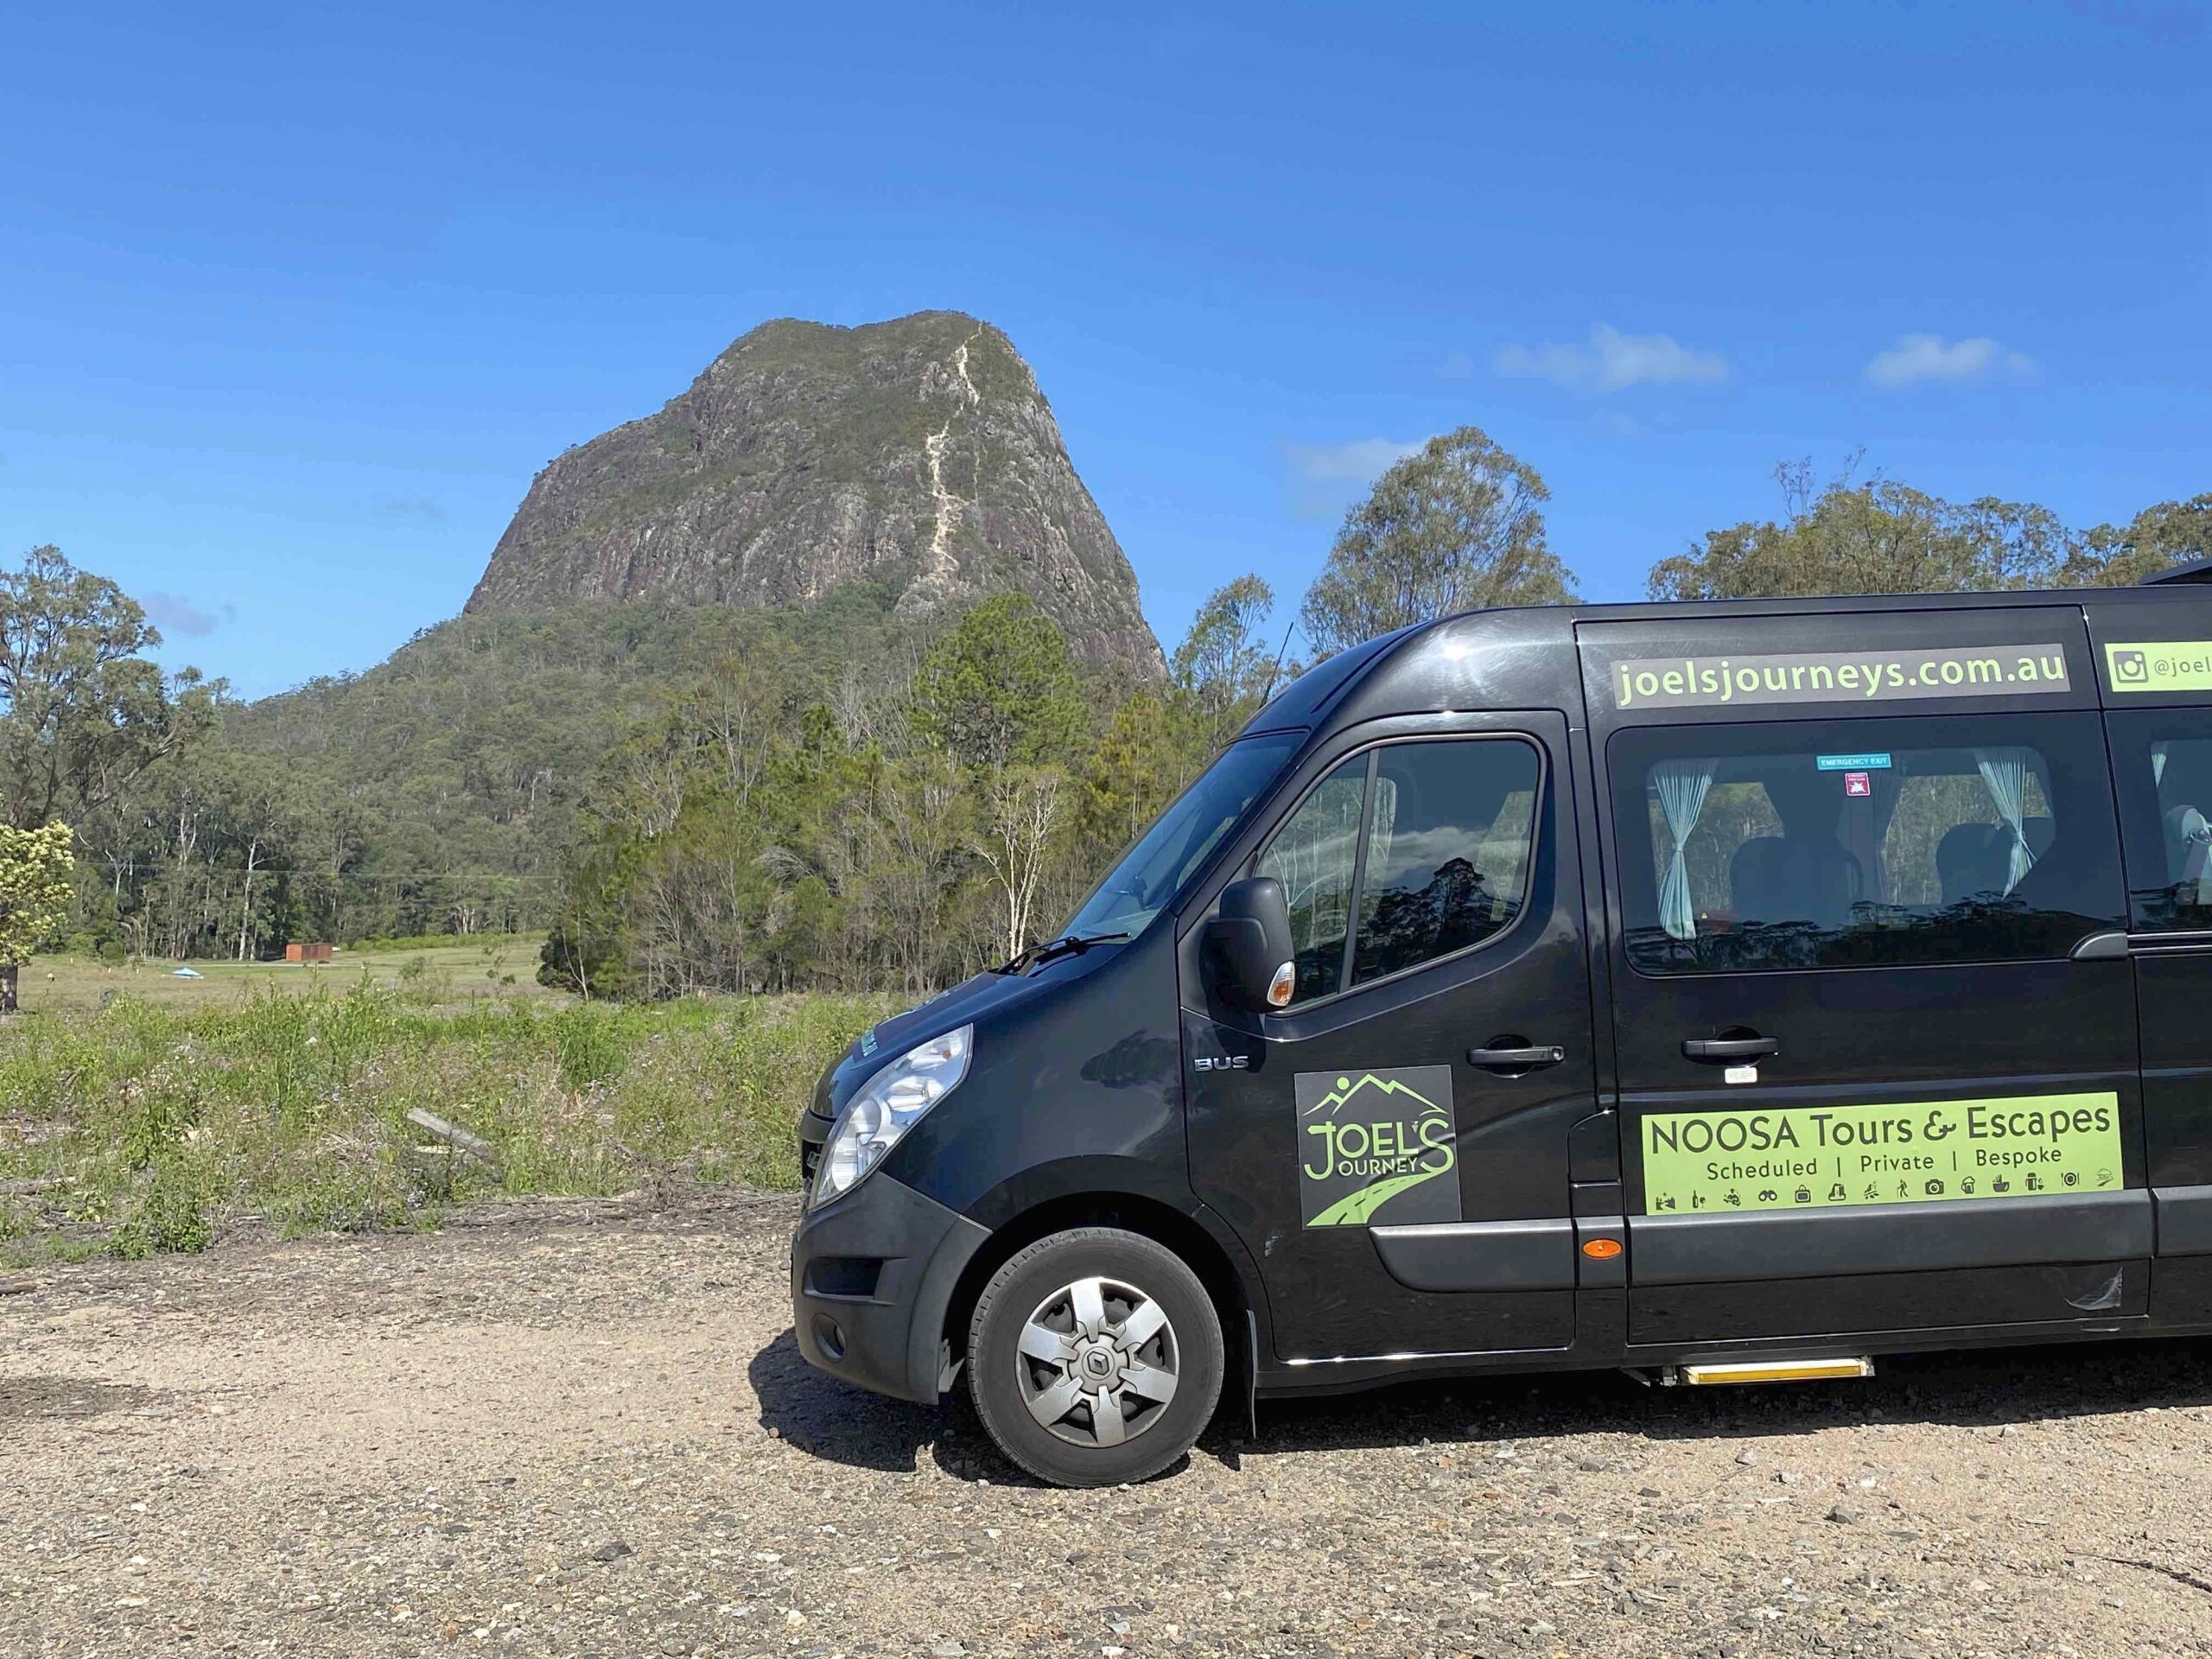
(1355, 463)
(1612, 361)
(1918, 359)
(178, 614)
(1325, 476)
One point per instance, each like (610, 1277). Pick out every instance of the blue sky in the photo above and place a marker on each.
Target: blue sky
(292, 305)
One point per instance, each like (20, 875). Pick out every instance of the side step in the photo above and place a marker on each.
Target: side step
(1763, 1370)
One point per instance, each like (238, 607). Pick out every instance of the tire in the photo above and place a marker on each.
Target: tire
(1067, 1380)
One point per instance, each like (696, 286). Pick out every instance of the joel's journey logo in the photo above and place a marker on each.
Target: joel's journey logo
(1372, 1140)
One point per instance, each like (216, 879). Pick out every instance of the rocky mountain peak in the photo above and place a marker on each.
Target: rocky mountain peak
(918, 452)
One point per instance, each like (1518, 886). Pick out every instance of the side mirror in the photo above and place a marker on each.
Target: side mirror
(1250, 960)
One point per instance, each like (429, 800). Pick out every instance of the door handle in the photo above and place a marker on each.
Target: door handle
(1722, 1051)
(2107, 945)
(1518, 1059)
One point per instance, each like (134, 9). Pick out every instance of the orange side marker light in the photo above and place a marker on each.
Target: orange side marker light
(1602, 1249)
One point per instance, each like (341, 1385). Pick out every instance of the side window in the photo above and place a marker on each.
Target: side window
(1447, 851)
(1837, 844)
(1315, 856)
(2161, 761)
(1449, 827)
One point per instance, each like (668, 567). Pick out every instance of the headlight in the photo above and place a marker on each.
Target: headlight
(887, 1106)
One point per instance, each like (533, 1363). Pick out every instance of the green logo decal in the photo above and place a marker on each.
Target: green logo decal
(1918, 1152)
(1370, 1139)
(2161, 665)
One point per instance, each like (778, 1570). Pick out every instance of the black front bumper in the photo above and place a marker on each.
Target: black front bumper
(872, 1275)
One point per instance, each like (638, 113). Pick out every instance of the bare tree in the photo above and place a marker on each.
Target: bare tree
(1022, 808)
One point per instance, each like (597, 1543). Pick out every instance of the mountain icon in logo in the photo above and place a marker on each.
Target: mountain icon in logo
(1346, 1091)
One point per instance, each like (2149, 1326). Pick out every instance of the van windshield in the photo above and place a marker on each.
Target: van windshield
(1153, 871)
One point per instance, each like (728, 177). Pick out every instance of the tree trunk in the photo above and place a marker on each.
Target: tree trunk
(10, 973)
(246, 920)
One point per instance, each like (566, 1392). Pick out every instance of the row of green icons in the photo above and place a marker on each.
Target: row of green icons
(1933, 1187)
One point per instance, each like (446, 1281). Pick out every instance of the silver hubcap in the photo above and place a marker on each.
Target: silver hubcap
(1097, 1363)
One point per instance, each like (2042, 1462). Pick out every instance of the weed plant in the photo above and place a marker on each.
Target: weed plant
(136, 1128)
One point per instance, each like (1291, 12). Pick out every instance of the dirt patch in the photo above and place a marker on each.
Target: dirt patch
(582, 1429)
(68, 1396)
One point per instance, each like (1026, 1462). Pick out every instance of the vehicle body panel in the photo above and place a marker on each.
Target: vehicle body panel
(1114, 1071)
(1330, 1290)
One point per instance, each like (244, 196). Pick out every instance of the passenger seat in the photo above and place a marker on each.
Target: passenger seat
(1773, 879)
(1973, 859)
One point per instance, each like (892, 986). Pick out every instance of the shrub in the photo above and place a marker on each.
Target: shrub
(167, 1122)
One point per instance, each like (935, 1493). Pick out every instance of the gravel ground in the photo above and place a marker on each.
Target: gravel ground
(574, 1431)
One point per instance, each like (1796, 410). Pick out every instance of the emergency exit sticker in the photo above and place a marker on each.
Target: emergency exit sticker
(1809, 1157)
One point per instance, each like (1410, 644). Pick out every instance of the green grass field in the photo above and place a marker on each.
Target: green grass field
(150, 1119)
(497, 967)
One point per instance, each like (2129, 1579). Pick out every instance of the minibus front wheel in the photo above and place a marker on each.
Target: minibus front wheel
(1095, 1356)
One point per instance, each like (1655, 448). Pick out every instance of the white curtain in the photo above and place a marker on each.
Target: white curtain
(2005, 774)
(1682, 786)
(2188, 836)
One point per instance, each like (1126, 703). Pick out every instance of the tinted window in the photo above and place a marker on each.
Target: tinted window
(1847, 843)
(1314, 856)
(1447, 851)
(1153, 871)
(2162, 760)
(1448, 828)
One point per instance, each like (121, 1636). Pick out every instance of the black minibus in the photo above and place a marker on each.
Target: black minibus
(1725, 992)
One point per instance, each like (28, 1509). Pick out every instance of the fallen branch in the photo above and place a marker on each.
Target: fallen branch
(474, 1148)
